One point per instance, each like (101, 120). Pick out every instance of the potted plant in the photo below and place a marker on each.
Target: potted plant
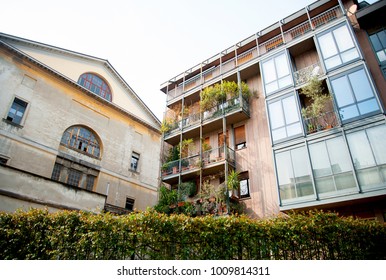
(233, 182)
(319, 100)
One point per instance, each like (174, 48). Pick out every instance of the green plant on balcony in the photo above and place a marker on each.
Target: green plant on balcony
(167, 198)
(233, 181)
(166, 125)
(319, 99)
(185, 190)
(186, 146)
(217, 94)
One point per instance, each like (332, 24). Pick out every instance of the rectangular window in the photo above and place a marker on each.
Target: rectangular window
(294, 175)
(284, 118)
(276, 73)
(331, 165)
(73, 177)
(378, 41)
(354, 95)
(17, 110)
(244, 185)
(56, 171)
(368, 152)
(337, 47)
(134, 161)
(90, 182)
(3, 160)
(240, 139)
(129, 204)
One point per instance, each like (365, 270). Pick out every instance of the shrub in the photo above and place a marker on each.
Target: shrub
(38, 234)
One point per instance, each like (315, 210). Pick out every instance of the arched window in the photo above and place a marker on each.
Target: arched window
(96, 84)
(81, 139)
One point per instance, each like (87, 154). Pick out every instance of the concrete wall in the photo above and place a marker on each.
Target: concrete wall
(22, 190)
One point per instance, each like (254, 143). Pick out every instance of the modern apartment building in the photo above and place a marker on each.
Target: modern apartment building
(73, 134)
(292, 150)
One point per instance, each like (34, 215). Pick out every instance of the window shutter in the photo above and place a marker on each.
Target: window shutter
(240, 135)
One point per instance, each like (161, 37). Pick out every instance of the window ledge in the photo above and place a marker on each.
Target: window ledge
(134, 171)
(12, 123)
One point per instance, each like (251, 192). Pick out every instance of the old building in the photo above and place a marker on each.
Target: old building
(73, 134)
(293, 150)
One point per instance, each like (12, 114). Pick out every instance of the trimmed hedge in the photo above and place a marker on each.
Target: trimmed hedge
(38, 234)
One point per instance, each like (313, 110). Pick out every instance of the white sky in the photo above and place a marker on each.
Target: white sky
(147, 41)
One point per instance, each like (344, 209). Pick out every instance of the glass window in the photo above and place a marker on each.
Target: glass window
(17, 110)
(331, 166)
(56, 171)
(378, 40)
(81, 139)
(134, 161)
(337, 47)
(276, 73)
(73, 177)
(294, 176)
(244, 185)
(284, 118)
(96, 84)
(369, 156)
(90, 182)
(129, 204)
(354, 95)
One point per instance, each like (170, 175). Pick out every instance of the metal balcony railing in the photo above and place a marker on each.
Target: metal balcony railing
(217, 155)
(324, 121)
(226, 108)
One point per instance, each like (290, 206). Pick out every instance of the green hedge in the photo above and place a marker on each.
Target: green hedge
(150, 235)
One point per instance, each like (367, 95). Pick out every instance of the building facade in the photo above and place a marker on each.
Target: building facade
(73, 134)
(292, 150)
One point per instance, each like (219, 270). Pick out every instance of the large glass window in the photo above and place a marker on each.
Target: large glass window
(331, 165)
(82, 139)
(294, 175)
(369, 156)
(96, 84)
(276, 73)
(354, 95)
(284, 118)
(337, 47)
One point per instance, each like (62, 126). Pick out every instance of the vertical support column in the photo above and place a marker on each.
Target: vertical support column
(257, 44)
(281, 30)
(307, 8)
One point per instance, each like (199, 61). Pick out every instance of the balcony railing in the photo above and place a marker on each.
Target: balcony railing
(269, 45)
(303, 75)
(324, 121)
(225, 108)
(217, 155)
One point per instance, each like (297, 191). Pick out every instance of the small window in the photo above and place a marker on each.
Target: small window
(90, 182)
(129, 204)
(17, 111)
(244, 185)
(73, 177)
(240, 139)
(56, 171)
(134, 161)
(3, 160)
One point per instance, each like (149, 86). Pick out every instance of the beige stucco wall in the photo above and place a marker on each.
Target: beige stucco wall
(55, 105)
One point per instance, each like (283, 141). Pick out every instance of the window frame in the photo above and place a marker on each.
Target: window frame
(104, 89)
(72, 142)
(300, 119)
(244, 176)
(382, 64)
(339, 53)
(130, 201)
(353, 94)
(290, 74)
(23, 117)
(134, 156)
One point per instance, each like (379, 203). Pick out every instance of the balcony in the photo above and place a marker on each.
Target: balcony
(226, 108)
(212, 162)
(322, 122)
(257, 49)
